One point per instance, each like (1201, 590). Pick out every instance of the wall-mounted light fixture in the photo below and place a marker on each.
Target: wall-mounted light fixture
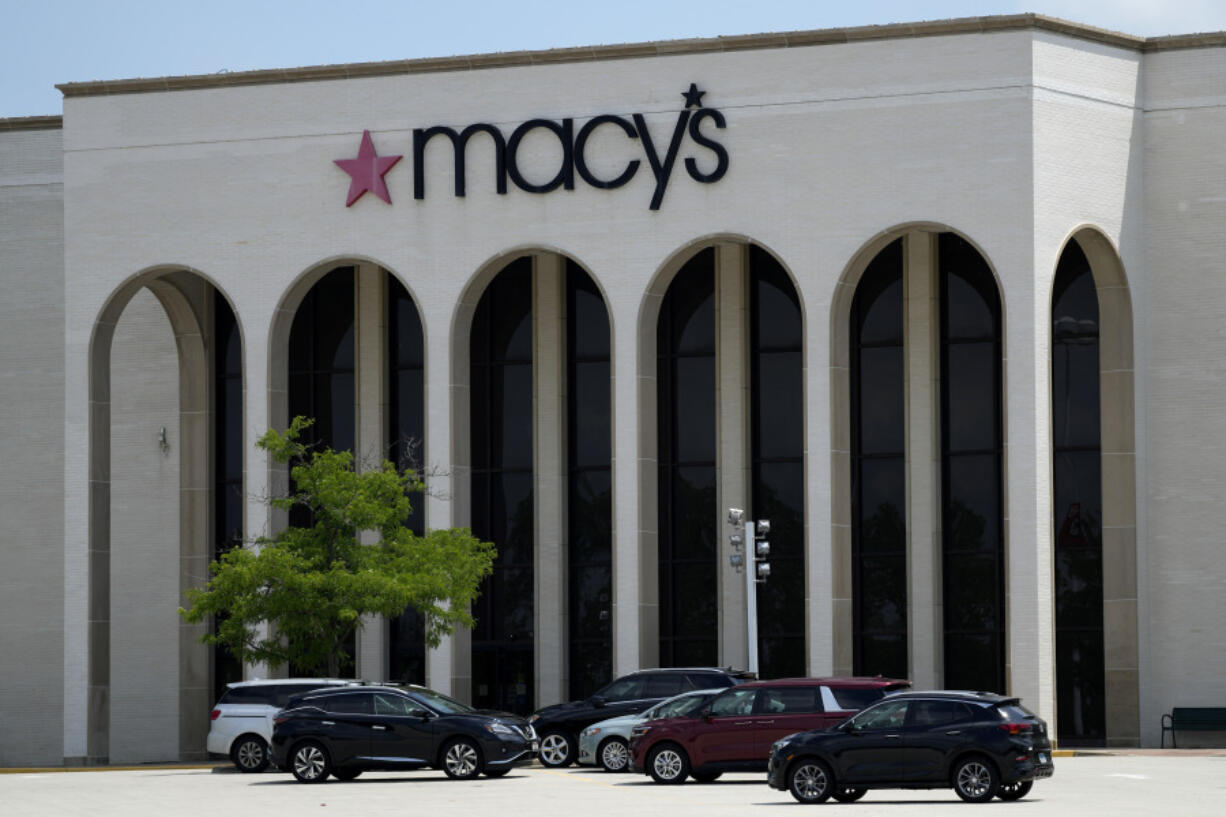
(162, 442)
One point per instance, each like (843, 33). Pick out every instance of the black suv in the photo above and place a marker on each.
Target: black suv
(345, 731)
(559, 725)
(980, 744)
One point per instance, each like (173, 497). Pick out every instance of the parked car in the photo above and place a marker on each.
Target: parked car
(344, 732)
(735, 729)
(981, 745)
(605, 743)
(240, 724)
(559, 725)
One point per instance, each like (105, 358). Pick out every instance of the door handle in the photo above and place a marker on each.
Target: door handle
(954, 732)
(328, 723)
(893, 736)
(380, 727)
(741, 723)
(765, 723)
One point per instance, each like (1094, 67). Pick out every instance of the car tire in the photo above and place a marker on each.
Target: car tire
(975, 779)
(249, 754)
(309, 762)
(345, 775)
(810, 781)
(668, 763)
(499, 772)
(1014, 791)
(614, 755)
(846, 794)
(557, 750)
(462, 759)
(706, 777)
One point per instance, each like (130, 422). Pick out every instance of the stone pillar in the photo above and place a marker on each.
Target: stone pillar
(549, 474)
(370, 437)
(921, 328)
(732, 439)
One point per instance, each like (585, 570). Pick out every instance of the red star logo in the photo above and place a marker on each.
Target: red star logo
(366, 171)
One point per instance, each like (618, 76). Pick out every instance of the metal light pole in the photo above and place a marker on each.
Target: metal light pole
(755, 567)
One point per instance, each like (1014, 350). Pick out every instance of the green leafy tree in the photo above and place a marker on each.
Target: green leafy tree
(312, 585)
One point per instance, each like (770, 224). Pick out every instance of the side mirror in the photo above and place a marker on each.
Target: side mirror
(596, 701)
(849, 727)
(419, 713)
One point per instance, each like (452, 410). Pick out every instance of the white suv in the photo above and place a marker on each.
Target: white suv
(241, 722)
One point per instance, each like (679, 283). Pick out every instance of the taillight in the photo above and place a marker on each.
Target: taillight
(215, 714)
(1017, 728)
(279, 719)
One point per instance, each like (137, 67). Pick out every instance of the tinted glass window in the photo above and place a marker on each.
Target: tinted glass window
(710, 680)
(678, 707)
(734, 702)
(394, 705)
(790, 701)
(354, 703)
(849, 700)
(625, 689)
(887, 715)
(666, 684)
(260, 694)
(936, 713)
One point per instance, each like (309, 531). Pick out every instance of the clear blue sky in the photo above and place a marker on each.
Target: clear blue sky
(56, 41)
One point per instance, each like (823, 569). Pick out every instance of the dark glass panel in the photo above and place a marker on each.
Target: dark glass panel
(1075, 388)
(228, 461)
(972, 305)
(511, 407)
(882, 406)
(974, 661)
(1078, 500)
(777, 306)
(691, 304)
(591, 601)
(591, 509)
(407, 348)
(972, 396)
(1080, 688)
(230, 439)
(881, 514)
(511, 517)
(481, 408)
(510, 313)
(780, 498)
(588, 316)
(697, 652)
(883, 591)
(695, 409)
(971, 599)
(591, 429)
(877, 311)
(972, 513)
(406, 648)
(882, 654)
(503, 678)
(779, 405)
(409, 423)
(693, 523)
(344, 412)
(591, 667)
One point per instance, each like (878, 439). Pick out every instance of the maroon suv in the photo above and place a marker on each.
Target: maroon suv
(735, 730)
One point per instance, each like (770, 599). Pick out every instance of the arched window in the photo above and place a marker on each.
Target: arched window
(227, 460)
(778, 469)
(502, 489)
(878, 465)
(1078, 502)
(590, 487)
(972, 518)
(688, 535)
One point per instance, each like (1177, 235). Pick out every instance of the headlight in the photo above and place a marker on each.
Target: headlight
(591, 730)
(533, 719)
(639, 731)
(499, 728)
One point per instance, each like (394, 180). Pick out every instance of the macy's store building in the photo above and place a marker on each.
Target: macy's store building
(942, 301)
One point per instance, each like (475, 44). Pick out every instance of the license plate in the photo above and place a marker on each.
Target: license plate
(1042, 757)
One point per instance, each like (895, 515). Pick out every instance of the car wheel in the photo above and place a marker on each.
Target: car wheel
(614, 756)
(250, 754)
(309, 762)
(462, 759)
(557, 750)
(499, 772)
(810, 781)
(848, 795)
(1014, 791)
(975, 780)
(345, 775)
(706, 777)
(668, 764)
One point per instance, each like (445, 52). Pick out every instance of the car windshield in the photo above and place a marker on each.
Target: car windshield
(676, 707)
(623, 689)
(440, 702)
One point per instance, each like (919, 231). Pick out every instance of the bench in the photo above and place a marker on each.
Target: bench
(1193, 719)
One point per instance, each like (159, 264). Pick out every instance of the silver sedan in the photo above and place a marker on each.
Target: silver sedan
(605, 743)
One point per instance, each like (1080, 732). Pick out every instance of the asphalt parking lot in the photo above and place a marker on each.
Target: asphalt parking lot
(1170, 785)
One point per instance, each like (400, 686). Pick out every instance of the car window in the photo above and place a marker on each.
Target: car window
(789, 701)
(666, 685)
(1015, 712)
(624, 689)
(709, 680)
(352, 704)
(283, 692)
(252, 694)
(734, 702)
(394, 705)
(939, 713)
(849, 700)
(887, 715)
(675, 707)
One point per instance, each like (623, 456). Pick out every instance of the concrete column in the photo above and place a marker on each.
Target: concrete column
(1030, 630)
(370, 437)
(549, 475)
(921, 326)
(732, 438)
